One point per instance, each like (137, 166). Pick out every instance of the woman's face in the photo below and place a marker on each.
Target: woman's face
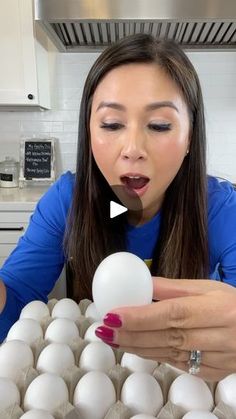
(139, 129)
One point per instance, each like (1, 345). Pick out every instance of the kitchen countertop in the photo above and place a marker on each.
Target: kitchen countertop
(16, 199)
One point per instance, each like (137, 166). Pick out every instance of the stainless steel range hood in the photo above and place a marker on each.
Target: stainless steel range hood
(85, 25)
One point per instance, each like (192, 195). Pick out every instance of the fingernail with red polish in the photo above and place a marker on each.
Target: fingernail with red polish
(112, 320)
(113, 345)
(104, 333)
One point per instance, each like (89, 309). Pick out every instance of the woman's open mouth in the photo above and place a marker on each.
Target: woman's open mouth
(135, 184)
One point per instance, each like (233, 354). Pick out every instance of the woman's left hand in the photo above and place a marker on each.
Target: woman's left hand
(191, 314)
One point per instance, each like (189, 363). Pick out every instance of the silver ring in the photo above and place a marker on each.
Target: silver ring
(194, 362)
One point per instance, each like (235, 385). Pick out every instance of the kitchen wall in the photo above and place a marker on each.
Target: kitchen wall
(217, 72)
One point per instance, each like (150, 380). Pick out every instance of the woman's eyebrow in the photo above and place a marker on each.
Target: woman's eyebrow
(163, 104)
(112, 105)
(150, 107)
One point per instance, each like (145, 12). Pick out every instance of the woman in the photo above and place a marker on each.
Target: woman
(141, 131)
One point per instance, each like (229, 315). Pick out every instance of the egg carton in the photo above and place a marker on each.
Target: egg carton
(163, 374)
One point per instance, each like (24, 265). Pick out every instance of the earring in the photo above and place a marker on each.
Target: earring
(187, 152)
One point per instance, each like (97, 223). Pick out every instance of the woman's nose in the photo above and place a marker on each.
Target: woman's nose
(133, 148)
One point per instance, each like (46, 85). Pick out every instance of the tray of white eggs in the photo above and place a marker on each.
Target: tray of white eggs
(53, 366)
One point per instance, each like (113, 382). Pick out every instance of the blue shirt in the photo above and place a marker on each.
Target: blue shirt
(34, 266)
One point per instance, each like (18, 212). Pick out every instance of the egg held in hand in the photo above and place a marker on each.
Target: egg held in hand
(121, 279)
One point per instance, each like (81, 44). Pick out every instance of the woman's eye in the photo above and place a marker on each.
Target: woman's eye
(113, 126)
(159, 127)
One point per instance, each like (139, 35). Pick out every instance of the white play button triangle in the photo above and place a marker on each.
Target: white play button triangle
(116, 209)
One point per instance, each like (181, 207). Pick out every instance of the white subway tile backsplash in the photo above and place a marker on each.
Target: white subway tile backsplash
(71, 126)
(67, 147)
(9, 148)
(69, 80)
(67, 104)
(67, 93)
(35, 126)
(57, 126)
(65, 115)
(9, 137)
(69, 162)
(6, 127)
(217, 74)
(66, 137)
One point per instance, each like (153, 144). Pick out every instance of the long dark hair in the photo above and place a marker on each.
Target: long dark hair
(181, 250)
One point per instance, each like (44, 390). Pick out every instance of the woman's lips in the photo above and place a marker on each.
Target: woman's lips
(135, 184)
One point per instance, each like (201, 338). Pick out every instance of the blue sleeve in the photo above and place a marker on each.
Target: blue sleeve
(32, 269)
(222, 231)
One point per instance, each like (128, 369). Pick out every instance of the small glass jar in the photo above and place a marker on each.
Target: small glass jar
(9, 173)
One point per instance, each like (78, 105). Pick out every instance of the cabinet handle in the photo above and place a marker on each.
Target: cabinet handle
(30, 96)
(11, 228)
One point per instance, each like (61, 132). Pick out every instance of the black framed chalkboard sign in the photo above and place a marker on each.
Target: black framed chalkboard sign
(37, 161)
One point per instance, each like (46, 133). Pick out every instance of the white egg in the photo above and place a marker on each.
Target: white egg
(142, 394)
(191, 393)
(97, 356)
(28, 330)
(121, 279)
(9, 393)
(15, 355)
(92, 313)
(225, 391)
(62, 331)
(56, 358)
(94, 395)
(90, 332)
(143, 416)
(37, 414)
(47, 392)
(36, 310)
(66, 308)
(138, 364)
(199, 414)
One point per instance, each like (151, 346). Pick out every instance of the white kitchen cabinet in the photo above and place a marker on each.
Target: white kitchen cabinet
(24, 73)
(16, 207)
(12, 226)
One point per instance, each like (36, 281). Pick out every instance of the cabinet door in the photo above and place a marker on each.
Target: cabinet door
(18, 75)
(13, 225)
